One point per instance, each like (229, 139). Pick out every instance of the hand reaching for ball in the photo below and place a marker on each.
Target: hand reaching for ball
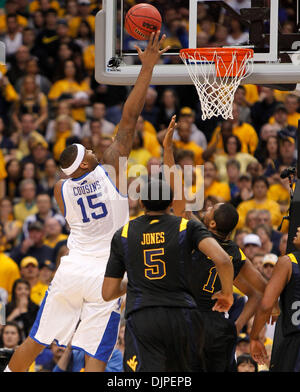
(152, 53)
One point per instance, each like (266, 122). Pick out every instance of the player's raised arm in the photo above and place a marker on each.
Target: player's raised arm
(174, 175)
(134, 104)
(276, 284)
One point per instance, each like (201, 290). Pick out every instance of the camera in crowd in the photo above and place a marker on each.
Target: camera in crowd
(5, 355)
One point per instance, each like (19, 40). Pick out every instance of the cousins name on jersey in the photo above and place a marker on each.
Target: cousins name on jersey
(85, 189)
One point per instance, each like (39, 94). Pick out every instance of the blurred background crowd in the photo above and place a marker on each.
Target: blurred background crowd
(50, 99)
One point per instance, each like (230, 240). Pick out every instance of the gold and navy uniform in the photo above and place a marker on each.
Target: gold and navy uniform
(290, 299)
(219, 332)
(161, 314)
(287, 357)
(156, 253)
(205, 280)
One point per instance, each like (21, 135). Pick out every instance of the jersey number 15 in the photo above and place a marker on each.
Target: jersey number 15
(93, 206)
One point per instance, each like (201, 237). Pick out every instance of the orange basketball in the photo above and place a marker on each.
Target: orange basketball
(141, 20)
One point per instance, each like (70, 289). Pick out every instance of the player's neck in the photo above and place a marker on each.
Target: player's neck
(217, 234)
(80, 173)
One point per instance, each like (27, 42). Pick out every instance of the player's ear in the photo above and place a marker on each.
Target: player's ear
(84, 164)
(212, 224)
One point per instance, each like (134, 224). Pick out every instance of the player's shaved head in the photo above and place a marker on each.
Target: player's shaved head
(68, 156)
(156, 195)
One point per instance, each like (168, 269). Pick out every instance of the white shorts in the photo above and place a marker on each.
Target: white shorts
(75, 295)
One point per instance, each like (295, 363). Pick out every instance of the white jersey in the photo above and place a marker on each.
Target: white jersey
(94, 210)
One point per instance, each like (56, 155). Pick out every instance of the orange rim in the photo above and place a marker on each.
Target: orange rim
(226, 67)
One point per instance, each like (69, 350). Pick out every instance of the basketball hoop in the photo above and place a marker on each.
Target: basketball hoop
(216, 74)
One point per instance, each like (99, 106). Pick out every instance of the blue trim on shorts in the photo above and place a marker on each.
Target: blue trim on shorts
(36, 323)
(59, 345)
(109, 338)
(63, 199)
(43, 344)
(113, 184)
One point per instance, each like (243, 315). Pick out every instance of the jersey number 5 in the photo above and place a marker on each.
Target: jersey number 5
(94, 215)
(157, 267)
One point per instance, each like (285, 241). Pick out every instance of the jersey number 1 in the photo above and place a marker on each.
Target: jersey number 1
(93, 206)
(209, 285)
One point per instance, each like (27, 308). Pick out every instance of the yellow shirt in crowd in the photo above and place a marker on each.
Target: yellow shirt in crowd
(278, 193)
(75, 22)
(292, 119)
(219, 190)
(65, 86)
(89, 57)
(3, 173)
(245, 132)
(60, 144)
(38, 292)
(52, 244)
(192, 146)
(22, 211)
(243, 158)
(21, 20)
(35, 5)
(252, 95)
(269, 205)
(151, 144)
(139, 157)
(9, 272)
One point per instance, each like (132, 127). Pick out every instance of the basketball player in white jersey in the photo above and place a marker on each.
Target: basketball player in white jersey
(94, 210)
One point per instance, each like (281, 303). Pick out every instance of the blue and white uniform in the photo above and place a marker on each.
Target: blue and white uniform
(94, 211)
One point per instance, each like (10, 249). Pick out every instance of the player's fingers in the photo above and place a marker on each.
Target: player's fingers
(151, 38)
(172, 123)
(156, 38)
(218, 307)
(162, 39)
(165, 49)
(216, 295)
(138, 49)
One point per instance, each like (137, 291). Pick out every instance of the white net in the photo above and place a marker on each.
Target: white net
(217, 80)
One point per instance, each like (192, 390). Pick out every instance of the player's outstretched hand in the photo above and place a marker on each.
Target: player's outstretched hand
(168, 139)
(152, 53)
(258, 352)
(224, 301)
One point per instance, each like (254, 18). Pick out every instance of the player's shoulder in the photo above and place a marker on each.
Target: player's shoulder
(234, 250)
(58, 187)
(294, 257)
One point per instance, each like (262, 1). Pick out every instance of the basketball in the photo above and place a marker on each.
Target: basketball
(141, 20)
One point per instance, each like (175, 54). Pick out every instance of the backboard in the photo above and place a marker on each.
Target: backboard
(200, 23)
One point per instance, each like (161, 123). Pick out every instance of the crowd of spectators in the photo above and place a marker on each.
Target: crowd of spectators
(50, 99)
